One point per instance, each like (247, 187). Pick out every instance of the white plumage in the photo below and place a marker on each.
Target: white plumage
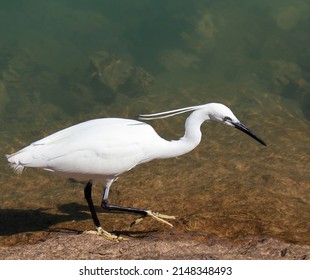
(95, 149)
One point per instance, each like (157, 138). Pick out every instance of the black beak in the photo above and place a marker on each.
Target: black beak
(243, 128)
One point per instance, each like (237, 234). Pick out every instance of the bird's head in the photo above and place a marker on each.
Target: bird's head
(221, 113)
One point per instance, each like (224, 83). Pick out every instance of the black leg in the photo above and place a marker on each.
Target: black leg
(116, 209)
(87, 194)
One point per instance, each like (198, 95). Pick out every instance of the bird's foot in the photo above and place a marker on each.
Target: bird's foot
(157, 216)
(101, 232)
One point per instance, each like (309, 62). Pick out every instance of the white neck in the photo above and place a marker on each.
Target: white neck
(191, 138)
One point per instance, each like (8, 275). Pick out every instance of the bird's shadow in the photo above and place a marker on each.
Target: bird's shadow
(14, 221)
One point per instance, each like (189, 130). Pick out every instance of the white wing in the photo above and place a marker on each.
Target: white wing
(100, 147)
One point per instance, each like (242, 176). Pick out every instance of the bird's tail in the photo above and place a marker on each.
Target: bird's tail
(15, 162)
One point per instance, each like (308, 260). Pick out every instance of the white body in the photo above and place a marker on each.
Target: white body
(98, 149)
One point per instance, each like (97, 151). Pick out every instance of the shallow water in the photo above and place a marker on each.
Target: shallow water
(251, 55)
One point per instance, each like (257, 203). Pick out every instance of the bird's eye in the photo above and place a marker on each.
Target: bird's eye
(225, 119)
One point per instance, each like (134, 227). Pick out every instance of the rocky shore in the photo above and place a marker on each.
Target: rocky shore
(73, 246)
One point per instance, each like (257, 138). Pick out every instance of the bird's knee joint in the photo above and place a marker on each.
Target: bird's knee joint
(105, 204)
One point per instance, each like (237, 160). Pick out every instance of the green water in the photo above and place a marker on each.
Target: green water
(62, 62)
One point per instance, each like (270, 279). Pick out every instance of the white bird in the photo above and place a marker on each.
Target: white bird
(100, 150)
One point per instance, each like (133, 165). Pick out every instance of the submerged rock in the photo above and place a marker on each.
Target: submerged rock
(120, 74)
(288, 79)
(26, 86)
(288, 17)
(177, 59)
(201, 38)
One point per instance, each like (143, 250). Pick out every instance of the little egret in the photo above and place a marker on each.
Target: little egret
(100, 150)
